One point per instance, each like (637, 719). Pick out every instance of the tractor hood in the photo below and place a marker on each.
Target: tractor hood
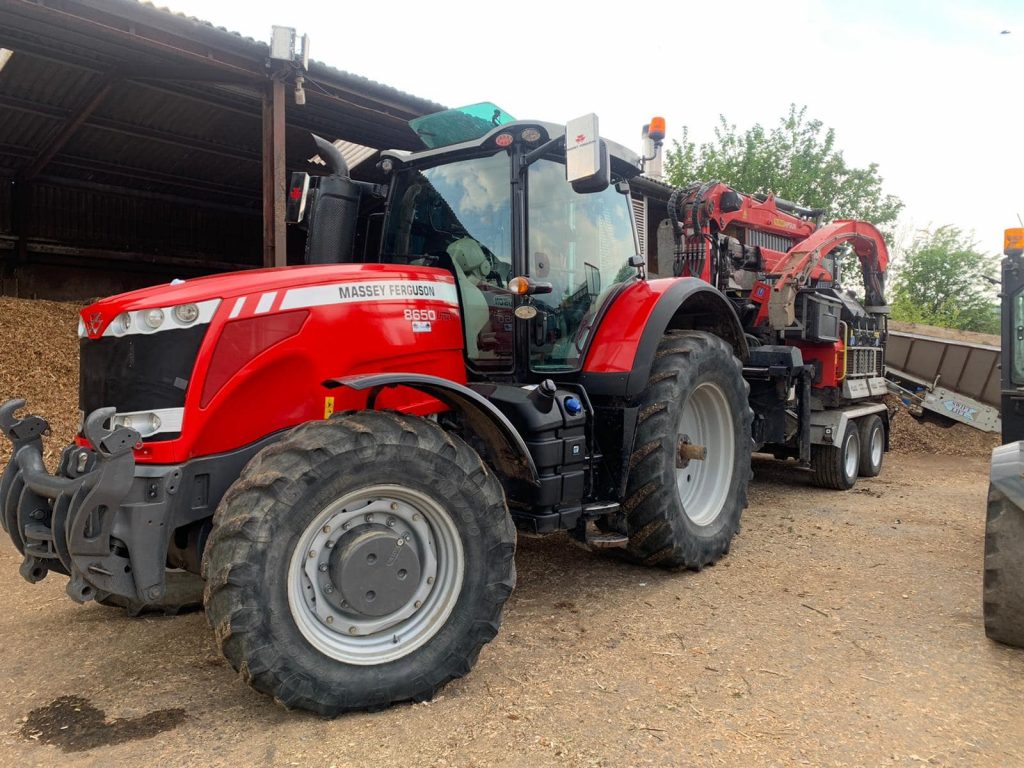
(204, 366)
(207, 293)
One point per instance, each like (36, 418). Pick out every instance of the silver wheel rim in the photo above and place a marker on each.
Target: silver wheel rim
(703, 485)
(876, 447)
(317, 606)
(852, 456)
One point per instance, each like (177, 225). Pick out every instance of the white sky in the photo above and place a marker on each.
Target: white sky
(931, 91)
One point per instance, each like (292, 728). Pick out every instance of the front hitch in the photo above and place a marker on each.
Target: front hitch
(64, 522)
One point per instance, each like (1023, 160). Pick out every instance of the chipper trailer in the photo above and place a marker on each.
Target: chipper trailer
(345, 450)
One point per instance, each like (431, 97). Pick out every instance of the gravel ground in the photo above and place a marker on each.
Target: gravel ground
(843, 629)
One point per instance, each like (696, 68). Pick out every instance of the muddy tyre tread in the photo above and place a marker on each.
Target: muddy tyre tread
(1003, 585)
(249, 519)
(659, 532)
(866, 426)
(828, 465)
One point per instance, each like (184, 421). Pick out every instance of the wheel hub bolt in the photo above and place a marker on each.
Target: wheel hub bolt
(391, 522)
(330, 619)
(353, 630)
(368, 518)
(416, 518)
(327, 529)
(312, 553)
(418, 603)
(400, 542)
(330, 544)
(430, 579)
(394, 506)
(328, 589)
(323, 567)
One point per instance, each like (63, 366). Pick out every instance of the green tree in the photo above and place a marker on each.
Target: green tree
(797, 160)
(944, 280)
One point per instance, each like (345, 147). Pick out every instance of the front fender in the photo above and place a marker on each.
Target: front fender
(504, 442)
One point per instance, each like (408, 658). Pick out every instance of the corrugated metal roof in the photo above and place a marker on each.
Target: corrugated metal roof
(159, 131)
(354, 154)
(316, 68)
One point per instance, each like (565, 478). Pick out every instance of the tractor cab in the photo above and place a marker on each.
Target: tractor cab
(537, 242)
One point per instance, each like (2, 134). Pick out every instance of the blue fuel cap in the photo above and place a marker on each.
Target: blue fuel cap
(573, 406)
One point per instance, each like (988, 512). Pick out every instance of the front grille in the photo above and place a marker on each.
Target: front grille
(138, 372)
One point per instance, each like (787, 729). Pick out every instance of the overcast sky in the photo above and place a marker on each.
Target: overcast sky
(931, 91)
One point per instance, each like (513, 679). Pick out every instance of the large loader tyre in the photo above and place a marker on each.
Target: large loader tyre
(183, 594)
(359, 561)
(836, 466)
(685, 512)
(871, 433)
(1003, 590)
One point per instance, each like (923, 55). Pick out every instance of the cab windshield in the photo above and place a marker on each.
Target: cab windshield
(458, 217)
(581, 245)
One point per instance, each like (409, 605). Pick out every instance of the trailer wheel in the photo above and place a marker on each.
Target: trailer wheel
(183, 594)
(871, 433)
(836, 466)
(684, 512)
(357, 562)
(1003, 588)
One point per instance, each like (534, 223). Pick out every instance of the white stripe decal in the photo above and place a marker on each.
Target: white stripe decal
(371, 291)
(266, 302)
(237, 309)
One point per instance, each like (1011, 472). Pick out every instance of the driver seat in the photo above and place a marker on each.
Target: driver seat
(471, 269)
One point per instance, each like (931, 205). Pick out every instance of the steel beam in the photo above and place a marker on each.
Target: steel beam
(72, 125)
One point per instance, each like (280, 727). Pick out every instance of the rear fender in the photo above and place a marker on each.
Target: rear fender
(505, 445)
(621, 355)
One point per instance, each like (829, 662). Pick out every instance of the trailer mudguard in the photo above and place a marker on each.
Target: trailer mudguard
(504, 442)
(619, 360)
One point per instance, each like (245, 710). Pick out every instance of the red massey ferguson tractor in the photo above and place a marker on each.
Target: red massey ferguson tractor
(344, 451)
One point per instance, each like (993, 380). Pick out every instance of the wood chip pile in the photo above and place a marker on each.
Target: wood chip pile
(932, 434)
(39, 363)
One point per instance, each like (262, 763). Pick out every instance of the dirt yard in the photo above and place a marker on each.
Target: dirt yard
(843, 629)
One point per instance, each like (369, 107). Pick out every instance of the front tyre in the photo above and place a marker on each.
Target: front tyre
(684, 511)
(358, 562)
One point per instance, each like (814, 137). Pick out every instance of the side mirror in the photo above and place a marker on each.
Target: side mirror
(587, 166)
(599, 181)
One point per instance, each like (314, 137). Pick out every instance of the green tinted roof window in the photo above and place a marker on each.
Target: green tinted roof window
(457, 125)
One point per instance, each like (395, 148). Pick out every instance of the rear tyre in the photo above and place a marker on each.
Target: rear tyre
(836, 466)
(687, 515)
(357, 562)
(871, 433)
(183, 594)
(1003, 590)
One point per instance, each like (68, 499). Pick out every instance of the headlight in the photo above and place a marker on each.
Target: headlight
(122, 323)
(186, 313)
(154, 317)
